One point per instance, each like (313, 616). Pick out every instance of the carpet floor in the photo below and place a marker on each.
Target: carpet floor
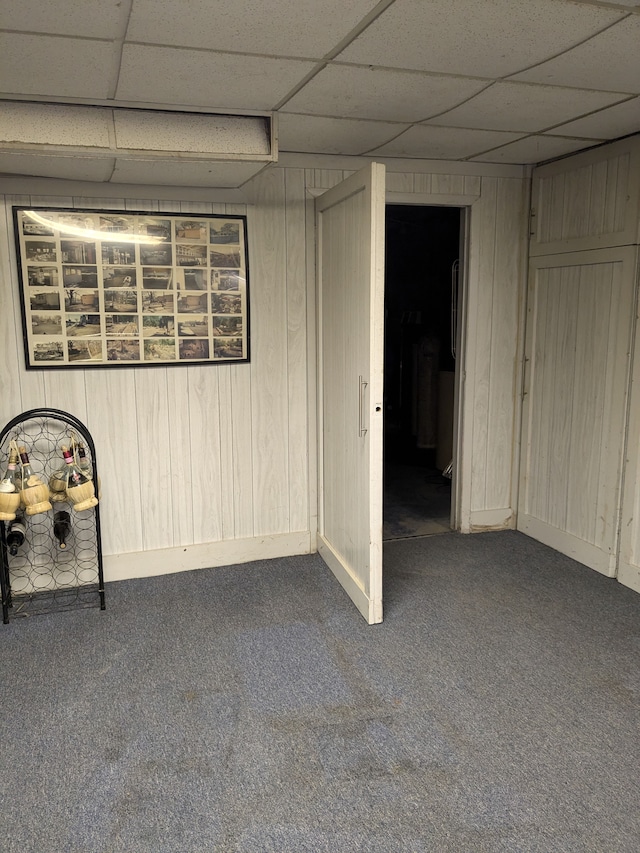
(250, 709)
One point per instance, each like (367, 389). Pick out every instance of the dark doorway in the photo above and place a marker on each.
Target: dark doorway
(422, 257)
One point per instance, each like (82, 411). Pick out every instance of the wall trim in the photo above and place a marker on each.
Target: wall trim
(584, 552)
(229, 552)
(491, 519)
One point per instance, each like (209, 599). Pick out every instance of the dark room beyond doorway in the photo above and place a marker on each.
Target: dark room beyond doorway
(421, 294)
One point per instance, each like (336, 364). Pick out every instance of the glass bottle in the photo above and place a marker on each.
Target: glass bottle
(80, 489)
(74, 475)
(83, 462)
(16, 534)
(10, 489)
(62, 527)
(8, 482)
(34, 493)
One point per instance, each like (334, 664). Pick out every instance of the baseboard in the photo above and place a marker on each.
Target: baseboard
(491, 519)
(371, 610)
(584, 552)
(142, 564)
(629, 576)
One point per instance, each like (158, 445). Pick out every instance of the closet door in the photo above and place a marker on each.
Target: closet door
(350, 220)
(579, 331)
(629, 561)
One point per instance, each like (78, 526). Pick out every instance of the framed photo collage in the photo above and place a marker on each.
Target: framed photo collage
(111, 288)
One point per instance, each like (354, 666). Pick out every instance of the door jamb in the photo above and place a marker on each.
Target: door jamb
(461, 479)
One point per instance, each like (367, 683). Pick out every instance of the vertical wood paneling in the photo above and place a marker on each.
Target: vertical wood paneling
(205, 468)
(578, 342)
(296, 349)
(422, 183)
(11, 346)
(481, 309)
(505, 313)
(269, 357)
(629, 559)
(113, 422)
(585, 202)
(400, 182)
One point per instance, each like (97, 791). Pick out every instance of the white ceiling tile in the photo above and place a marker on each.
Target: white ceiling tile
(191, 133)
(54, 125)
(50, 65)
(177, 173)
(333, 135)
(526, 108)
(105, 19)
(56, 166)
(606, 124)
(355, 92)
(308, 28)
(534, 149)
(609, 61)
(493, 38)
(198, 78)
(448, 143)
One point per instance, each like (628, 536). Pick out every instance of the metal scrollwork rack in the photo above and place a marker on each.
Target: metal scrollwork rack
(41, 577)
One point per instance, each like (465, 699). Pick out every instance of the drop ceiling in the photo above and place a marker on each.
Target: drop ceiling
(496, 81)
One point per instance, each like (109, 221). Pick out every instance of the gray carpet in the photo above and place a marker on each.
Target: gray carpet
(250, 709)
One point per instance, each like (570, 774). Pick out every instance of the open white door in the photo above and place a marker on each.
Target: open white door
(350, 220)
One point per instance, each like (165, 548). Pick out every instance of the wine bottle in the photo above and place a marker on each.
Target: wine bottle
(74, 475)
(83, 462)
(62, 527)
(80, 489)
(16, 534)
(8, 482)
(86, 467)
(34, 493)
(10, 489)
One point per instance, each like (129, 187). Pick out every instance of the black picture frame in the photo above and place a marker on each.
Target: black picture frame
(121, 288)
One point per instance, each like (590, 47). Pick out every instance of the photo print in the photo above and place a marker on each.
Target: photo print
(115, 287)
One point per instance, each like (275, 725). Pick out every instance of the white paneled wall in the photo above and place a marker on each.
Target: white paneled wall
(215, 464)
(580, 465)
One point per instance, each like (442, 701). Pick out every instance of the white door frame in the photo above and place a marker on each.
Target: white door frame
(462, 423)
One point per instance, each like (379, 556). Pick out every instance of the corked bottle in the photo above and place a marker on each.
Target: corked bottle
(9, 491)
(80, 489)
(34, 493)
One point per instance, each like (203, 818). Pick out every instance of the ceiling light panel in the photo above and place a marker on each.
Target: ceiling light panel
(190, 133)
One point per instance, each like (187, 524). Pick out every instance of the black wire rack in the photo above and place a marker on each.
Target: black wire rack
(42, 577)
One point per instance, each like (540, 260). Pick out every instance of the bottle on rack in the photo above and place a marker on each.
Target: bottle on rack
(62, 527)
(86, 468)
(80, 489)
(83, 462)
(9, 491)
(16, 534)
(34, 493)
